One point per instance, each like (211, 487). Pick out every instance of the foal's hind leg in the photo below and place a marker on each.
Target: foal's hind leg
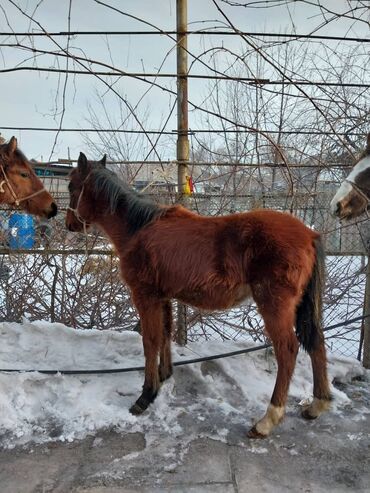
(151, 316)
(165, 360)
(279, 326)
(321, 390)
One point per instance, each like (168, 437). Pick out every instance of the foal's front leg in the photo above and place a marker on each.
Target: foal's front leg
(151, 316)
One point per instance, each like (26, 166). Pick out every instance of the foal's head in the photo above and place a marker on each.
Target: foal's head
(353, 196)
(83, 206)
(19, 184)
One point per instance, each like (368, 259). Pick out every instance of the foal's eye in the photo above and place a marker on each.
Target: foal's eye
(25, 175)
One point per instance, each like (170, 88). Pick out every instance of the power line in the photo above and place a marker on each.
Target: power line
(142, 75)
(296, 37)
(175, 132)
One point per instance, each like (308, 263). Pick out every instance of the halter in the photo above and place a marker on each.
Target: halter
(17, 200)
(77, 214)
(75, 211)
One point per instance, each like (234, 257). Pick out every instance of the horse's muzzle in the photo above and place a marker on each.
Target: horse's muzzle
(336, 209)
(339, 211)
(52, 211)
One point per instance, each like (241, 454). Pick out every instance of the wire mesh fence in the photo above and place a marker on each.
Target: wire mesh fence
(75, 279)
(275, 121)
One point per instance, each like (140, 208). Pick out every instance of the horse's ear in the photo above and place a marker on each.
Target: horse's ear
(103, 161)
(82, 162)
(368, 144)
(12, 146)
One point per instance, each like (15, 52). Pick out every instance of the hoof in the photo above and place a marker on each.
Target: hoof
(307, 415)
(135, 409)
(253, 433)
(143, 402)
(316, 408)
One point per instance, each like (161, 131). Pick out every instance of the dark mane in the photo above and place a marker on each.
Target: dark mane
(138, 209)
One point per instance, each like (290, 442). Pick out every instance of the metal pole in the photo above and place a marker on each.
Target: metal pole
(182, 97)
(183, 128)
(366, 322)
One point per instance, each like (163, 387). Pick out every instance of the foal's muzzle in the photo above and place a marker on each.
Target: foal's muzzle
(74, 223)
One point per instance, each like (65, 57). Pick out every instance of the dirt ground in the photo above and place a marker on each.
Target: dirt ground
(330, 454)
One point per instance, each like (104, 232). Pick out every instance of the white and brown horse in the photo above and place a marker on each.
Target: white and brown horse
(353, 196)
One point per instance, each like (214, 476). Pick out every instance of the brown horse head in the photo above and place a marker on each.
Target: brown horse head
(353, 195)
(19, 184)
(81, 213)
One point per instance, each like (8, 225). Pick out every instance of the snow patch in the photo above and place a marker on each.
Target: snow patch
(40, 408)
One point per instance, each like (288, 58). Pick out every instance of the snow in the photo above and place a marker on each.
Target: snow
(41, 408)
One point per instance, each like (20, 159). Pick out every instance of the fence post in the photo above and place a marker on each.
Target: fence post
(182, 136)
(366, 321)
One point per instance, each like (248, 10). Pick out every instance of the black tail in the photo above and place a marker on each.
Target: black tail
(309, 312)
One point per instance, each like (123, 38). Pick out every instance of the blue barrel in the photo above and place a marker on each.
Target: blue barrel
(22, 231)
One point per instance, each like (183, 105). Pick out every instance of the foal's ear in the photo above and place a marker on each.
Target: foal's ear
(12, 146)
(368, 143)
(82, 162)
(103, 161)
